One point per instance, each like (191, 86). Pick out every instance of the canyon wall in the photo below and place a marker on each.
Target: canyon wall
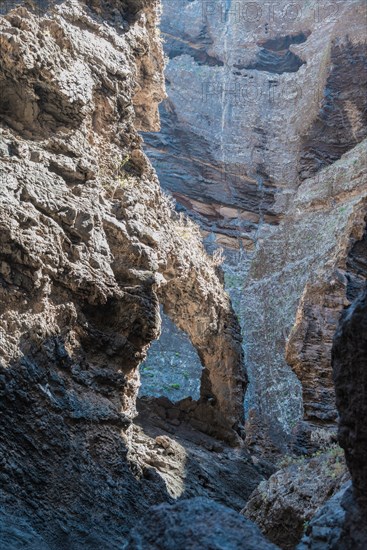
(262, 143)
(89, 249)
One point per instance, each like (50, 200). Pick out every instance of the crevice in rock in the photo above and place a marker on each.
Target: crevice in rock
(356, 272)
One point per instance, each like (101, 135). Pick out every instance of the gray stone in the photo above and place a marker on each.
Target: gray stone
(196, 524)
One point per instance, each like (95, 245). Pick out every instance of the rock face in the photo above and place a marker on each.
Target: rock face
(309, 348)
(237, 77)
(190, 462)
(326, 527)
(283, 505)
(89, 248)
(196, 524)
(261, 143)
(349, 364)
(341, 523)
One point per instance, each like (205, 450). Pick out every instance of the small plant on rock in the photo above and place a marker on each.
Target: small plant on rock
(115, 177)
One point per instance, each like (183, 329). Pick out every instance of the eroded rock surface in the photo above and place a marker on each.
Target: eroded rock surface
(283, 505)
(349, 364)
(325, 529)
(89, 248)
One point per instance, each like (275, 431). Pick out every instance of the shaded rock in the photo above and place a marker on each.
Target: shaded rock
(16, 533)
(193, 463)
(350, 376)
(325, 529)
(341, 523)
(310, 342)
(196, 524)
(338, 525)
(284, 504)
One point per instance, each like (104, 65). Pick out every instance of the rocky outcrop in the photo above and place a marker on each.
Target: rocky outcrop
(325, 529)
(341, 523)
(89, 248)
(196, 524)
(190, 462)
(283, 505)
(349, 364)
(250, 103)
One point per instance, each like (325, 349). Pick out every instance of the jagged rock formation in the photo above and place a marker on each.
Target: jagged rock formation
(350, 376)
(192, 463)
(196, 524)
(261, 142)
(283, 505)
(325, 529)
(341, 523)
(89, 248)
(238, 76)
(309, 345)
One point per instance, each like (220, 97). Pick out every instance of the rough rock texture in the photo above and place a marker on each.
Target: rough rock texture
(350, 376)
(341, 523)
(103, 241)
(284, 504)
(263, 100)
(245, 84)
(308, 349)
(296, 288)
(89, 248)
(196, 524)
(190, 462)
(325, 529)
(309, 346)
(16, 533)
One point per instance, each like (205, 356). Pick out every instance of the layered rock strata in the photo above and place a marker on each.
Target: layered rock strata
(263, 143)
(260, 98)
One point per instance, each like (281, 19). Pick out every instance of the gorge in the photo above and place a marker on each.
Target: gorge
(260, 372)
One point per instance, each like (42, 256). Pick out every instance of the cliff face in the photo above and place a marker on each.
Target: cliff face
(261, 143)
(89, 249)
